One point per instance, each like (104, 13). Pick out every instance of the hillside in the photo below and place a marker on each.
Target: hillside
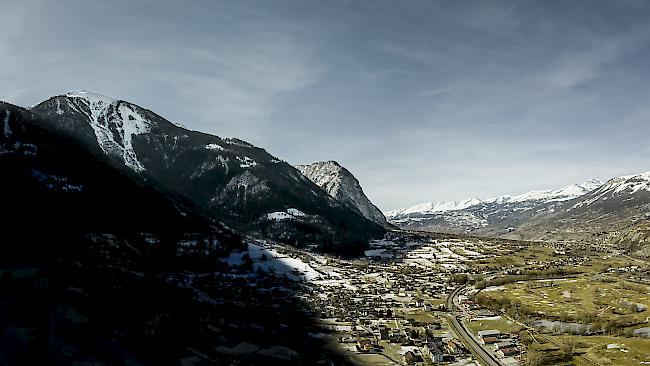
(226, 179)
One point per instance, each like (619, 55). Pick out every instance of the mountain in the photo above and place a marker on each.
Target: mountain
(494, 216)
(99, 266)
(227, 179)
(615, 207)
(339, 183)
(85, 253)
(616, 213)
(434, 207)
(54, 180)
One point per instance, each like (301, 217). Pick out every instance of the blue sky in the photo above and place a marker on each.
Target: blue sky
(421, 100)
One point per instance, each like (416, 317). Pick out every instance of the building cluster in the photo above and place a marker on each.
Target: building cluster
(505, 344)
(391, 303)
(474, 309)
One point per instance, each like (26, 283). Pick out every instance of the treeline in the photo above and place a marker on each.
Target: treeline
(539, 355)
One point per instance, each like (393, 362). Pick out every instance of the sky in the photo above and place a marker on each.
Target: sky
(421, 100)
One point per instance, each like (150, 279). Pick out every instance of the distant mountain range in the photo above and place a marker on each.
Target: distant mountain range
(228, 180)
(578, 211)
(613, 208)
(562, 194)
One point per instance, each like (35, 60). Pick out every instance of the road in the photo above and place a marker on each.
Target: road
(460, 329)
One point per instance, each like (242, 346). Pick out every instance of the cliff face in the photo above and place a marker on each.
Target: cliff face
(339, 183)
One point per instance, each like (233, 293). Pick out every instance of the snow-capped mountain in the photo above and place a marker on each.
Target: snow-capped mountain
(624, 188)
(563, 194)
(434, 207)
(110, 257)
(492, 215)
(229, 179)
(606, 214)
(339, 183)
(115, 139)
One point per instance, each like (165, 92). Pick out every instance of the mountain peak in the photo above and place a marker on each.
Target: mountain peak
(91, 97)
(591, 184)
(631, 183)
(342, 185)
(328, 163)
(113, 123)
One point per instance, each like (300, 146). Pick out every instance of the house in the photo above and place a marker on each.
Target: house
(411, 358)
(502, 345)
(432, 350)
(489, 340)
(488, 333)
(454, 348)
(505, 352)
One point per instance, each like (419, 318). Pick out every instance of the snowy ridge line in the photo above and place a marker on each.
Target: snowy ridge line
(624, 184)
(563, 194)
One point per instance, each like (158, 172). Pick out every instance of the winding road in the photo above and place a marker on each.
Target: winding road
(460, 329)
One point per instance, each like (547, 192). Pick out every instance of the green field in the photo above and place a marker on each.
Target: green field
(586, 298)
(503, 325)
(631, 351)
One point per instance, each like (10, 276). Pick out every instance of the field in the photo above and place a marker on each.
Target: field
(587, 298)
(621, 351)
(501, 324)
(583, 315)
(536, 256)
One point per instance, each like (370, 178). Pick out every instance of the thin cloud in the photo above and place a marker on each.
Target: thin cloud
(431, 100)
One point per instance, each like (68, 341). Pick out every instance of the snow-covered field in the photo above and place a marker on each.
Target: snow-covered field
(268, 259)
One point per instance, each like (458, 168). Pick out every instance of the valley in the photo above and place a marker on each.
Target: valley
(324, 183)
(420, 298)
(177, 247)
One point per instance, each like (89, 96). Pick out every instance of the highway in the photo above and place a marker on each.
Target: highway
(458, 326)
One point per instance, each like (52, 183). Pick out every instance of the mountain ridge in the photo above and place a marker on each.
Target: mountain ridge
(565, 193)
(226, 178)
(616, 212)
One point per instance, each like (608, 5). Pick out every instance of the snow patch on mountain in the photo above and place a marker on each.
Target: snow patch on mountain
(7, 128)
(224, 163)
(105, 114)
(267, 259)
(214, 147)
(58, 111)
(289, 214)
(246, 162)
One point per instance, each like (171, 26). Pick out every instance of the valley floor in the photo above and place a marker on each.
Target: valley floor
(410, 300)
